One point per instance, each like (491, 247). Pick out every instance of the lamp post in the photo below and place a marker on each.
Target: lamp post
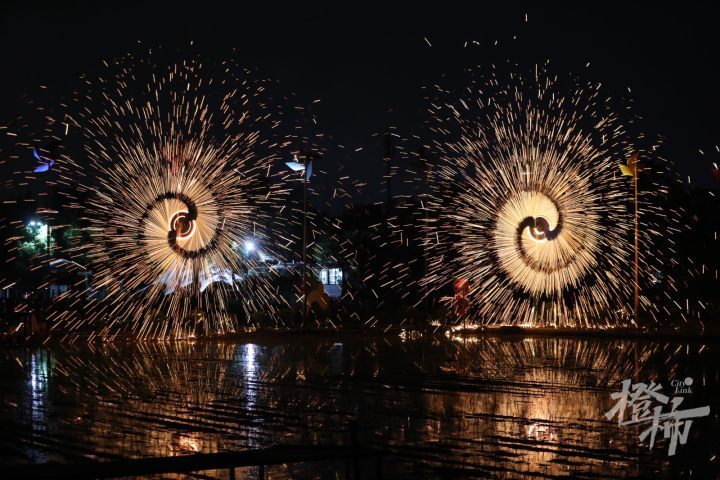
(306, 168)
(426, 166)
(304, 250)
(49, 247)
(637, 249)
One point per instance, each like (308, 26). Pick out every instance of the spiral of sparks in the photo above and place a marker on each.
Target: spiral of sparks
(528, 205)
(177, 175)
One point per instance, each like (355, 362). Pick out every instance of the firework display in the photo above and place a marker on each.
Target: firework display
(521, 198)
(402, 243)
(170, 187)
(529, 208)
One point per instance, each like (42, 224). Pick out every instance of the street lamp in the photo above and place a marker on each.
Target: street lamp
(249, 246)
(306, 167)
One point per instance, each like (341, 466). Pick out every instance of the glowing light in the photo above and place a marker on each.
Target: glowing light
(182, 224)
(176, 177)
(527, 205)
(295, 166)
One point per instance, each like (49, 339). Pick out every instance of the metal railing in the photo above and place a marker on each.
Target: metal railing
(203, 461)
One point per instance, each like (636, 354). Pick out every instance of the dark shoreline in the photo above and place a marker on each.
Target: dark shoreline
(507, 332)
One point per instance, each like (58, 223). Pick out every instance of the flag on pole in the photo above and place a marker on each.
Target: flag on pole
(632, 168)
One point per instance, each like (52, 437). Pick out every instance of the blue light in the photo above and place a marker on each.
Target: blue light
(43, 167)
(295, 166)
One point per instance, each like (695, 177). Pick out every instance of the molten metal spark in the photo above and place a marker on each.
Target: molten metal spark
(181, 169)
(526, 204)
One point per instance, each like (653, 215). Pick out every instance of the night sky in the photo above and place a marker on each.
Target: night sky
(368, 64)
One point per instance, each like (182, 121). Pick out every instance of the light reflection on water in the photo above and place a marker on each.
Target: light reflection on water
(39, 360)
(500, 407)
(38, 387)
(246, 356)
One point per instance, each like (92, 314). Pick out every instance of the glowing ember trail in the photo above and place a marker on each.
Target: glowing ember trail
(179, 174)
(528, 205)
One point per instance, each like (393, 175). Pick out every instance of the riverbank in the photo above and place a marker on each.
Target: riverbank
(687, 333)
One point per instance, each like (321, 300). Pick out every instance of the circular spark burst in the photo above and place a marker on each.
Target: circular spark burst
(179, 171)
(172, 218)
(531, 209)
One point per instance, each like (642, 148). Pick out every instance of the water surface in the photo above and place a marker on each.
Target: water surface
(443, 407)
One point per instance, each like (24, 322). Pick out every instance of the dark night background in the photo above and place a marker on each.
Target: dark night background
(368, 63)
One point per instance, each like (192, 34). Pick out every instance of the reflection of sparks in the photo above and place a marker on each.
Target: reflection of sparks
(462, 338)
(188, 444)
(193, 396)
(525, 203)
(540, 431)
